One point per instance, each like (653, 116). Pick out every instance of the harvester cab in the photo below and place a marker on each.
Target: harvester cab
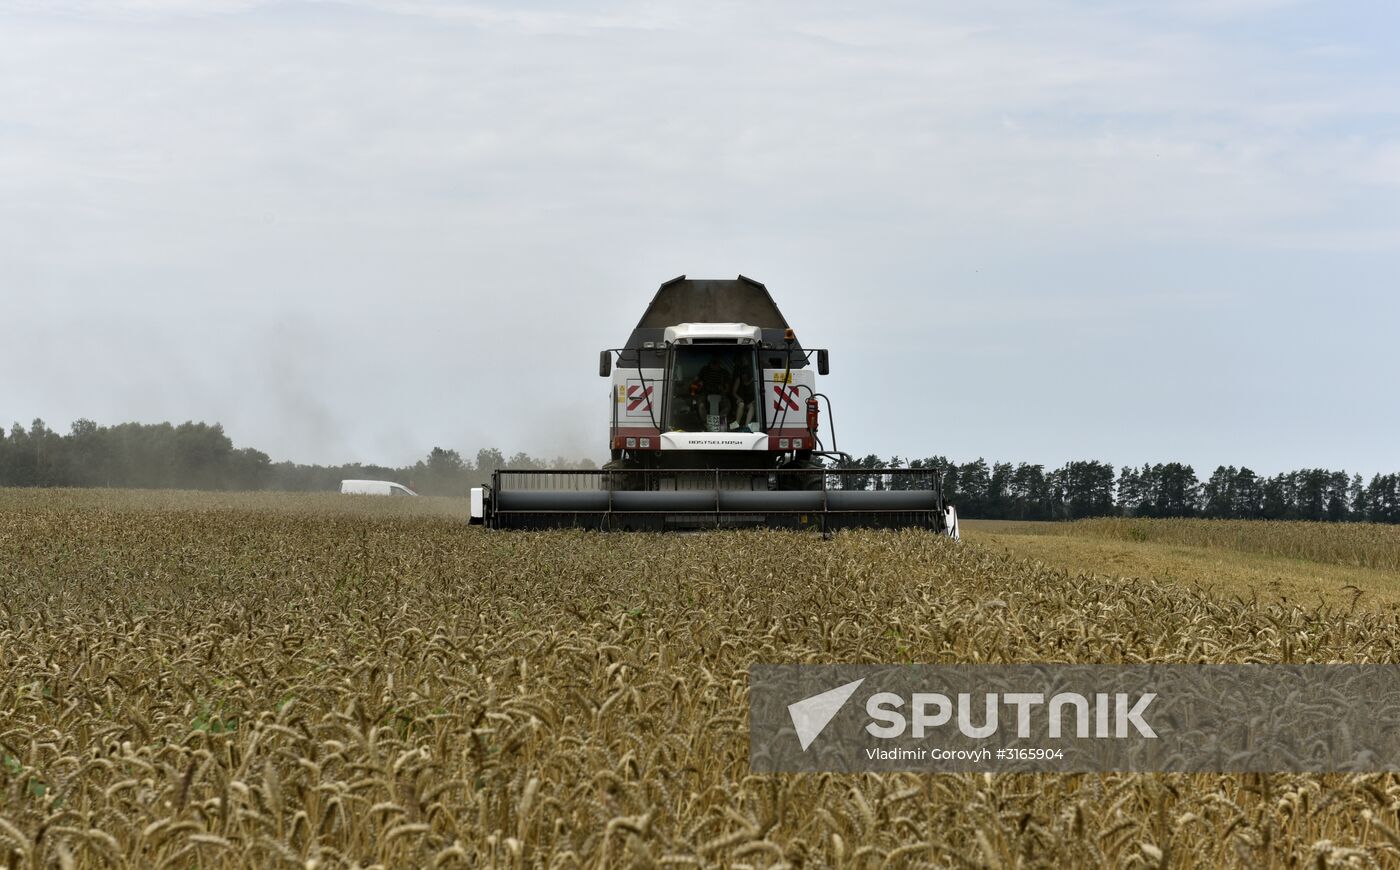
(715, 422)
(698, 396)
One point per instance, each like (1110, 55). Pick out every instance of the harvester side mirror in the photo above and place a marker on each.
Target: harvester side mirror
(823, 363)
(604, 363)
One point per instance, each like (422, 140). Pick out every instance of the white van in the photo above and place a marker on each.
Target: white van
(374, 487)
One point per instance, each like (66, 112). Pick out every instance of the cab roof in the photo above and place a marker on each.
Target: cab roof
(709, 300)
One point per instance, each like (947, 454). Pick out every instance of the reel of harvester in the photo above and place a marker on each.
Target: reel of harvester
(693, 499)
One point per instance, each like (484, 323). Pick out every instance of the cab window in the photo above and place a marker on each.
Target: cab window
(713, 389)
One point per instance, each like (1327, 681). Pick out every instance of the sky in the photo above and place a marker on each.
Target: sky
(1030, 231)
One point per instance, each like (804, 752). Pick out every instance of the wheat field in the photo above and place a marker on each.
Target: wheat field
(320, 681)
(1356, 545)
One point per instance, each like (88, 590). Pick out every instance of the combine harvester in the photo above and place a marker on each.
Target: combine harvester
(716, 424)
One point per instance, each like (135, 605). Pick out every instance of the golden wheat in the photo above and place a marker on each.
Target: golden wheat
(1356, 545)
(315, 681)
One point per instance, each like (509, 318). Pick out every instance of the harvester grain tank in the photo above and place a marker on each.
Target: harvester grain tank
(715, 422)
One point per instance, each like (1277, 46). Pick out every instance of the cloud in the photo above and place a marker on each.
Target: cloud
(497, 188)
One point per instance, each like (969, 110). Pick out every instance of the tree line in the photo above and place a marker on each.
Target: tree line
(1025, 491)
(202, 456)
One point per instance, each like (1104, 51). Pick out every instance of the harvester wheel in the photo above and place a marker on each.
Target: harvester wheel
(803, 474)
(617, 480)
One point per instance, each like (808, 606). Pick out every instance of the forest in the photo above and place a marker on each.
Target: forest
(202, 456)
